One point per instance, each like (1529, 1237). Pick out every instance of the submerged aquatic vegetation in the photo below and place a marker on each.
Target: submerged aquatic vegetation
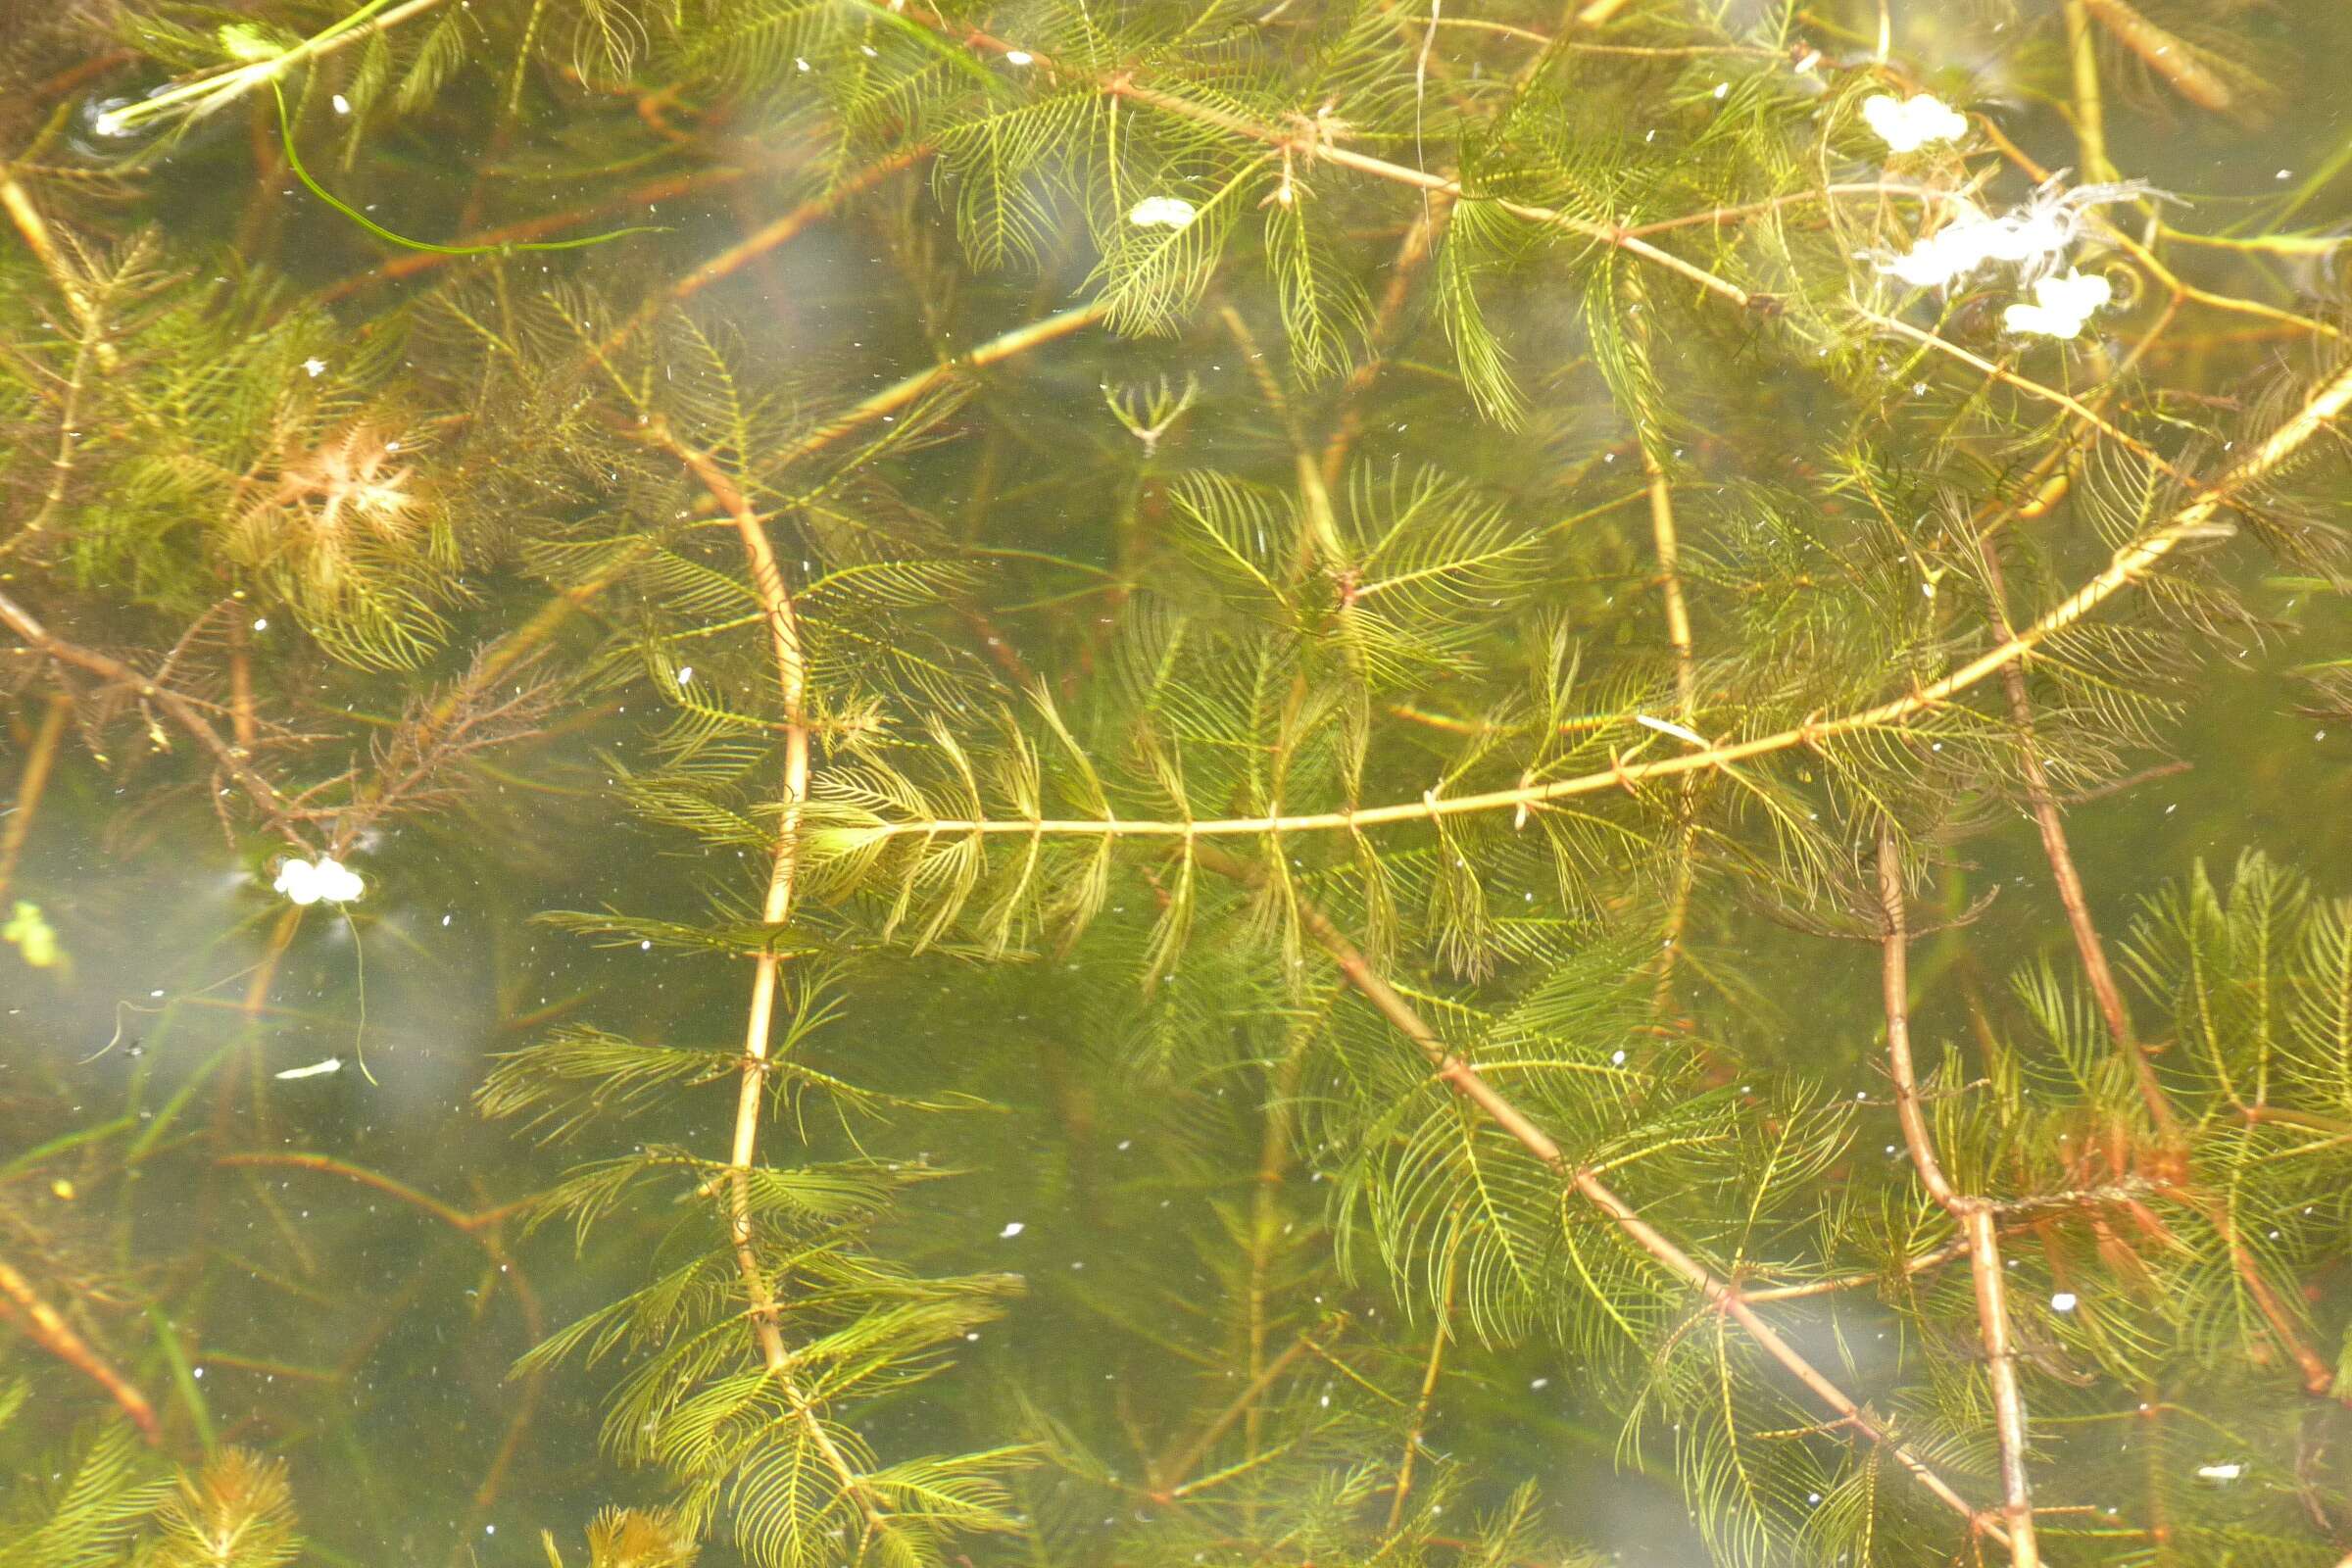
(1169, 783)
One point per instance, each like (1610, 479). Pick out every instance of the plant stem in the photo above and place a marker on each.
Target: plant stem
(1313, 145)
(183, 711)
(1976, 1216)
(1719, 1294)
(2091, 114)
(2128, 566)
(2044, 806)
(22, 1305)
(791, 673)
(1439, 1335)
(29, 785)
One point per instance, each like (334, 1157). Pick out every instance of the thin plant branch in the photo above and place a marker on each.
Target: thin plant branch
(1976, 1217)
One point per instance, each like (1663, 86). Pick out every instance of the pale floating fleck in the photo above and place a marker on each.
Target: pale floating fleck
(1011, 1229)
(341, 103)
(2063, 1301)
(1018, 57)
(1162, 211)
(799, 63)
(2061, 306)
(1541, 1383)
(1906, 125)
(326, 880)
(1723, 90)
(685, 673)
(2220, 1472)
(317, 1069)
(1667, 726)
(314, 367)
(1617, 1058)
(262, 624)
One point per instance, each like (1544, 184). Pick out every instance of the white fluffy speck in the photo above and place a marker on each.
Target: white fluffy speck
(1906, 125)
(1161, 212)
(1018, 57)
(2061, 306)
(2063, 1301)
(1011, 1229)
(328, 881)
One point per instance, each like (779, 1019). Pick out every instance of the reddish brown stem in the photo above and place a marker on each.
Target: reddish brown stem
(1719, 1294)
(49, 1330)
(2044, 806)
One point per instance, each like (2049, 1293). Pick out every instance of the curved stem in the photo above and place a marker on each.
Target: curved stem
(2130, 565)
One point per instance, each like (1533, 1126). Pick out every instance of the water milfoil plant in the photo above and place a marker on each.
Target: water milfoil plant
(1270, 745)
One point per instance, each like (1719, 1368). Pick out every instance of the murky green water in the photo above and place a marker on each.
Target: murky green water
(1280, 795)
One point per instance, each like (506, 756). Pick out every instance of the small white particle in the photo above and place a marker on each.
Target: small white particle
(342, 104)
(1723, 90)
(317, 1069)
(1541, 1383)
(2063, 1301)
(1012, 1229)
(1161, 212)
(316, 367)
(1018, 57)
(262, 624)
(685, 674)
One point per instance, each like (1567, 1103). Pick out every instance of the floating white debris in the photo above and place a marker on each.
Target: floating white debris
(317, 1069)
(2033, 237)
(2220, 1472)
(2061, 307)
(314, 367)
(2063, 1301)
(1012, 1229)
(328, 881)
(1906, 125)
(1018, 57)
(341, 103)
(1667, 726)
(1161, 212)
